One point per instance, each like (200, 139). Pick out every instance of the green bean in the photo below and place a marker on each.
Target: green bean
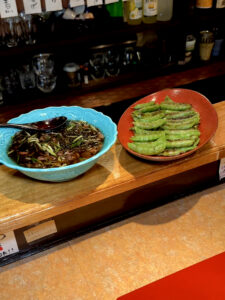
(150, 108)
(140, 131)
(147, 137)
(175, 106)
(170, 126)
(177, 151)
(179, 143)
(180, 125)
(195, 118)
(175, 137)
(147, 108)
(138, 115)
(180, 114)
(150, 125)
(196, 142)
(168, 100)
(142, 105)
(153, 148)
(150, 119)
(188, 132)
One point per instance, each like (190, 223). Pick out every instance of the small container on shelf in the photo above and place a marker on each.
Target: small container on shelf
(71, 70)
(206, 44)
(189, 47)
(219, 41)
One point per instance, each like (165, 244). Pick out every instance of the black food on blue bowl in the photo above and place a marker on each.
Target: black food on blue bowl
(73, 143)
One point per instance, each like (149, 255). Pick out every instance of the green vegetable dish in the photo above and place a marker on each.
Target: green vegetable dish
(75, 142)
(165, 129)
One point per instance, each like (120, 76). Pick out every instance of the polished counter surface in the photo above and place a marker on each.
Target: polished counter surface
(25, 201)
(122, 257)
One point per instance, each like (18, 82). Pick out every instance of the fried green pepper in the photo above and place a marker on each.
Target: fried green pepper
(188, 132)
(149, 108)
(140, 131)
(142, 105)
(147, 137)
(177, 151)
(195, 118)
(146, 118)
(179, 143)
(168, 100)
(180, 114)
(175, 106)
(153, 148)
(180, 125)
(150, 125)
(174, 137)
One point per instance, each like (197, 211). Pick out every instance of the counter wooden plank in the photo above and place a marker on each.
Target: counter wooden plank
(25, 201)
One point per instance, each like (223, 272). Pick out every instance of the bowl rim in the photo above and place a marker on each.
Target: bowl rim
(93, 158)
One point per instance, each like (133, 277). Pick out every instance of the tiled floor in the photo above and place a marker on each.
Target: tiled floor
(110, 262)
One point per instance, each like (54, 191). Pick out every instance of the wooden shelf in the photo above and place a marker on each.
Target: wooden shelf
(25, 201)
(108, 96)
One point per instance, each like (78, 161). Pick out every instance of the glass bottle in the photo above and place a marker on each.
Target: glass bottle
(204, 4)
(150, 9)
(115, 9)
(165, 10)
(219, 4)
(134, 12)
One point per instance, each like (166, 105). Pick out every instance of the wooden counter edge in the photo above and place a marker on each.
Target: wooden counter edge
(45, 213)
(200, 158)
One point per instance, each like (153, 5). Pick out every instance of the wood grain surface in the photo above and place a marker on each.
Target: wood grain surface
(25, 201)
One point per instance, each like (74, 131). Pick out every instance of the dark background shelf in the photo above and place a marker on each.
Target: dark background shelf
(163, 46)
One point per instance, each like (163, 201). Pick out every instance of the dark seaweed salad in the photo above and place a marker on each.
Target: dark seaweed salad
(75, 142)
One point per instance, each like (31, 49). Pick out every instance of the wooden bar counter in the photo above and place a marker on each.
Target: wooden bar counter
(119, 183)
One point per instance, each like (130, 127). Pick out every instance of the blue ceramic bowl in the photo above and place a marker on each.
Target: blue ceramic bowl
(98, 119)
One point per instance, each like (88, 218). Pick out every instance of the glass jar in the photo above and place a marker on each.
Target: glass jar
(71, 70)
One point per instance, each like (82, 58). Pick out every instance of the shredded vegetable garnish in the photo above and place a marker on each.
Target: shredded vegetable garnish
(75, 142)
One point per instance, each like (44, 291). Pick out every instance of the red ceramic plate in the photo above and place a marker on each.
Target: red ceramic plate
(207, 127)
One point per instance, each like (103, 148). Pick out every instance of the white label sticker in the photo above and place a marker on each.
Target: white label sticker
(8, 8)
(39, 231)
(75, 3)
(53, 5)
(220, 4)
(94, 2)
(110, 1)
(32, 6)
(8, 244)
(222, 168)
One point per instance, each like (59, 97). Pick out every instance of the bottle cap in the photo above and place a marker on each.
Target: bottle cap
(71, 67)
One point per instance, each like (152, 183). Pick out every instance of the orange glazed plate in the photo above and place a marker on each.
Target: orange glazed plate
(208, 119)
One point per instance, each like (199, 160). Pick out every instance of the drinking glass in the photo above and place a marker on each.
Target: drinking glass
(112, 62)
(29, 28)
(96, 64)
(46, 83)
(27, 77)
(43, 64)
(11, 32)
